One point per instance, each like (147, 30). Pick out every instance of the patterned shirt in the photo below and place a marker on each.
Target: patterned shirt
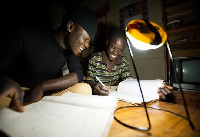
(98, 67)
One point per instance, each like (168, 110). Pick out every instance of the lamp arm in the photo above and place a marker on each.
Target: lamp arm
(181, 91)
(131, 54)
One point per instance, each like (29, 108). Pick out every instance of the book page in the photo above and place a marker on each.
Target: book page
(92, 101)
(129, 91)
(47, 119)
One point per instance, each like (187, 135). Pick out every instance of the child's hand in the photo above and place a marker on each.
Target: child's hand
(164, 91)
(101, 90)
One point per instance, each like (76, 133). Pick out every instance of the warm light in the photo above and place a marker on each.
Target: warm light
(145, 35)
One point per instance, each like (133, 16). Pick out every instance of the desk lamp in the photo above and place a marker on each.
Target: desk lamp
(145, 35)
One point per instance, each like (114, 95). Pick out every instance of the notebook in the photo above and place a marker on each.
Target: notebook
(72, 115)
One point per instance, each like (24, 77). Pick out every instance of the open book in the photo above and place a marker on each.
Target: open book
(129, 91)
(72, 115)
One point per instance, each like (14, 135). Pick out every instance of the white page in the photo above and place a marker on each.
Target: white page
(47, 119)
(93, 101)
(129, 91)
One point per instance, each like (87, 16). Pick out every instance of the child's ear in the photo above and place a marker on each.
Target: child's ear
(70, 26)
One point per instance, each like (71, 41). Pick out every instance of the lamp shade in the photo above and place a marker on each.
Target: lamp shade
(145, 34)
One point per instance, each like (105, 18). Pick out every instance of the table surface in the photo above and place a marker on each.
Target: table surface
(162, 123)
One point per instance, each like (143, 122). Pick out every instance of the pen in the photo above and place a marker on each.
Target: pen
(100, 81)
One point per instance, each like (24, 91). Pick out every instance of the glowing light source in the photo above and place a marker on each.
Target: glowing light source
(145, 34)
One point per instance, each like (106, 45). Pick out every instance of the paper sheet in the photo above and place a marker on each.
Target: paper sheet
(94, 101)
(129, 91)
(49, 119)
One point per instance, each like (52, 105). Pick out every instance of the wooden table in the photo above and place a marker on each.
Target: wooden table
(162, 123)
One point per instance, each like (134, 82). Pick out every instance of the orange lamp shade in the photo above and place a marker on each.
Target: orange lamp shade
(145, 35)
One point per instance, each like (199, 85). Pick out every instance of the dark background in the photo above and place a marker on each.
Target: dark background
(36, 13)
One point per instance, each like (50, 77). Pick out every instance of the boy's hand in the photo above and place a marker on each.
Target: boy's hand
(9, 88)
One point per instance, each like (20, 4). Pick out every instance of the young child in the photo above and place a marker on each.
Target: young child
(109, 65)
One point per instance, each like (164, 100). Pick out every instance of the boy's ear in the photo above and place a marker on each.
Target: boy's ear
(70, 26)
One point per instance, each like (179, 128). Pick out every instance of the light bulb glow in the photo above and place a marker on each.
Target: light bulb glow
(142, 34)
(141, 45)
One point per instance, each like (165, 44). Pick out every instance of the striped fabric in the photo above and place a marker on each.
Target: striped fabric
(98, 68)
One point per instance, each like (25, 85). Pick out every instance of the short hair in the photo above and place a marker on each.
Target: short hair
(83, 16)
(118, 33)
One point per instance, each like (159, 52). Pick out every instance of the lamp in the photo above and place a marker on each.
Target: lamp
(144, 35)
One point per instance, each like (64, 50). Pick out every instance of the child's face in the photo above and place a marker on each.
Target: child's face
(115, 48)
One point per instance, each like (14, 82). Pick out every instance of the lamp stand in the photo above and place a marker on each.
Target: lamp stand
(181, 91)
(144, 104)
(147, 115)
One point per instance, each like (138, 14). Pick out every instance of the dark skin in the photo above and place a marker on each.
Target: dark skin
(115, 48)
(164, 91)
(10, 88)
(36, 93)
(74, 38)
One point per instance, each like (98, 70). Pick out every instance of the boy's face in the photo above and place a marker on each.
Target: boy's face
(115, 48)
(78, 39)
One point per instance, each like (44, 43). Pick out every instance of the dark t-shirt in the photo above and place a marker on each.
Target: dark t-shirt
(31, 56)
